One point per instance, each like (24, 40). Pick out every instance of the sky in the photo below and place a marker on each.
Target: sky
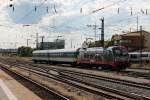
(68, 19)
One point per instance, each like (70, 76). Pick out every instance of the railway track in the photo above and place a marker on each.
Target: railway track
(108, 95)
(137, 73)
(131, 72)
(42, 91)
(80, 79)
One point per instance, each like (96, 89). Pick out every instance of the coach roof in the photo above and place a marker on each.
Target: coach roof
(54, 51)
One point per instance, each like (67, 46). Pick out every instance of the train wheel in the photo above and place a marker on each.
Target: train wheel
(34, 61)
(73, 64)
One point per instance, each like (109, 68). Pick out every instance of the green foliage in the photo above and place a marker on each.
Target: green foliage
(98, 43)
(25, 51)
(108, 43)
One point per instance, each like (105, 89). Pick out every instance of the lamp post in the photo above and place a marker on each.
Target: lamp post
(28, 42)
(42, 42)
(141, 46)
(33, 36)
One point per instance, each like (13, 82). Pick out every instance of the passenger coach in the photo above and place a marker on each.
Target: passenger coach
(139, 56)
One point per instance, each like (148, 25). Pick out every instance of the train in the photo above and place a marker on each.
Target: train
(114, 57)
(139, 56)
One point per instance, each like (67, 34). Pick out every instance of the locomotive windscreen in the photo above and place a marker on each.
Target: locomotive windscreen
(120, 51)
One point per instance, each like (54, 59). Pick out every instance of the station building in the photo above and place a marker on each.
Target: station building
(134, 41)
(57, 44)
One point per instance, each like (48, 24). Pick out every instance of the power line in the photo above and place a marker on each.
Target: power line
(119, 21)
(27, 14)
(94, 11)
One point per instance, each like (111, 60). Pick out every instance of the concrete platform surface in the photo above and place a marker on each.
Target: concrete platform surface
(5, 93)
(10, 89)
(3, 96)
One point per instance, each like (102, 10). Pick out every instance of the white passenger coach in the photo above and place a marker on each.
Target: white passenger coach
(139, 56)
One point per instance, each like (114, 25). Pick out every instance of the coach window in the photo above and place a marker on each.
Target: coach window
(71, 54)
(144, 55)
(40, 54)
(133, 56)
(44, 54)
(67, 54)
(37, 54)
(57, 54)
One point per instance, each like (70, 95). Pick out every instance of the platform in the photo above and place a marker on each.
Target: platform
(5, 93)
(10, 89)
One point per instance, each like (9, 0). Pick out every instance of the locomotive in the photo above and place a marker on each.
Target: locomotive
(115, 57)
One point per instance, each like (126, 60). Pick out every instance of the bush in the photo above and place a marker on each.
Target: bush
(25, 51)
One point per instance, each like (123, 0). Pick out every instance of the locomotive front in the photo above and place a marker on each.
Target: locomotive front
(121, 57)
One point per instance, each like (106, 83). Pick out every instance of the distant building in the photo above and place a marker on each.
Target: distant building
(133, 40)
(57, 44)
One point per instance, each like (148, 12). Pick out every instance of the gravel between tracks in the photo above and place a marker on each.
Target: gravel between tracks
(126, 88)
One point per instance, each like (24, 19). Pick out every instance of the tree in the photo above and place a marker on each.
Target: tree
(95, 44)
(98, 43)
(25, 51)
(108, 43)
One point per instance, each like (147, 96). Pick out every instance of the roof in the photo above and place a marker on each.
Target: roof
(139, 52)
(57, 50)
(95, 49)
(135, 33)
(131, 34)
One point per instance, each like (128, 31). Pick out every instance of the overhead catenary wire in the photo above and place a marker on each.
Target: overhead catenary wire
(31, 11)
(96, 10)
(106, 7)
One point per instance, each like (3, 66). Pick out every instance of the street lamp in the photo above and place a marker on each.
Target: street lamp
(28, 42)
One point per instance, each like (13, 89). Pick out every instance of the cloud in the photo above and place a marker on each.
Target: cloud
(67, 19)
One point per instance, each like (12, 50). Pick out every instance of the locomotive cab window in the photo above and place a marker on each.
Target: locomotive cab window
(117, 52)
